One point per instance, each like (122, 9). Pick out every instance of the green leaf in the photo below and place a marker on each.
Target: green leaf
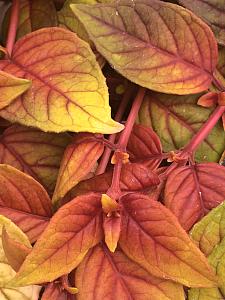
(210, 231)
(176, 119)
(217, 261)
(128, 33)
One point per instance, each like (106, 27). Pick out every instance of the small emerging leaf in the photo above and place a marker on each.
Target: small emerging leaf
(11, 87)
(128, 34)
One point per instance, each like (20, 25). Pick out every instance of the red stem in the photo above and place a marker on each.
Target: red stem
(204, 130)
(14, 18)
(114, 191)
(118, 117)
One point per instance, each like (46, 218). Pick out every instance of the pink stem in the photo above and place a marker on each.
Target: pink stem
(204, 130)
(118, 117)
(14, 18)
(114, 191)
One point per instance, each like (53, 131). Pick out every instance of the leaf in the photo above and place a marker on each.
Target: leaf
(145, 57)
(7, 273)
(152, 237)
(68, 93)
(34, 15)
(144, 146)
(73, 230)
(11, 87)
(24, 201)
(176, 119)
(15, 251)
(221, 61)
(210, 230)
(34, 152)
(192, 191)
(134, 177)
(217, 261)
(103, 274)
(67, 19)
(212, 12)
(79, 160)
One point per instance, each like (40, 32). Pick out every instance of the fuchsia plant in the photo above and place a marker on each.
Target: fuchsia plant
(137, 214)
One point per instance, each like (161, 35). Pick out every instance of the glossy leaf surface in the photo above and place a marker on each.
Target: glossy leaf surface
(68, 91)
(103, 275)
(192, 191)
(128, 34)
(73, 230)
(212, 12)
(144, 146)
(6, 291)
(79, 159)
(24, 201)
(11, 87)
(159, 244)
(176, 119)
(34, 152)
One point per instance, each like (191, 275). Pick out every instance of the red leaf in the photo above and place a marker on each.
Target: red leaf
(72, 231)
(144, 146)
(34, 152)
(191, 191)
(103, 275)
(134, 177)
(24, 201)
(152, 236)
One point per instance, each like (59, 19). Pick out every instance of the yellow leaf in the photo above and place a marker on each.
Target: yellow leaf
(6, 272)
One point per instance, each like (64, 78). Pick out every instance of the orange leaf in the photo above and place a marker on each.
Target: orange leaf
(129, 35)
(72, 231)
(24, 201)
(153, 237)
(105, 275)
(15, 251)
(68, 92)
(78, 161)
(11, 87)
(192, 191)
(34, 152)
